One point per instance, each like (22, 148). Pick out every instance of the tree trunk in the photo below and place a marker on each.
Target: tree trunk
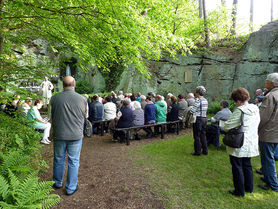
(1, 34)
(234, 17)
(174, 27)
(206, 25)
(201, 8)
(251, 23)
(271, 11)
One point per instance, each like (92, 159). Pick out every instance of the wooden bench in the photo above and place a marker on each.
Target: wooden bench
(127, 131)
(102, 124)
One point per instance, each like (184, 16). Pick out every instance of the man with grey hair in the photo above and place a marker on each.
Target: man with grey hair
(68, 110)
(268, 132)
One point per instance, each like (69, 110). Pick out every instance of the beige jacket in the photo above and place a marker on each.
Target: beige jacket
(268, 128)
(251, 122)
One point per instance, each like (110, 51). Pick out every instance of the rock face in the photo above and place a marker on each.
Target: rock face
(220, 73)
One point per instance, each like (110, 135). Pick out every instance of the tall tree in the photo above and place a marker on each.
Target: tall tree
(251, 22)
(271, 11)
(201, 9)
(206, 25)
(234, 17)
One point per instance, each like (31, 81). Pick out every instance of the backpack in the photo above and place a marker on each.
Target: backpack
(88, 128)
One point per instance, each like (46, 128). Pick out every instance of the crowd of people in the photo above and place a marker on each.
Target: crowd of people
(69, 111)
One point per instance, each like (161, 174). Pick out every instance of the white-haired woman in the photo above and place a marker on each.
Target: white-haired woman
(138, 118)
(199, 127)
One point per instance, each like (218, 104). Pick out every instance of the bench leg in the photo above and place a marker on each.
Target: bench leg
(178, 128)
(102, 129)
(162, 131)
(127, 137)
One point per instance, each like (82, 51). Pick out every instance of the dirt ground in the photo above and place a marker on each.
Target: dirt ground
(108, 177)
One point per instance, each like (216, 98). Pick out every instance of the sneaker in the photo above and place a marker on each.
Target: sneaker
(47, 140)
(43, 141)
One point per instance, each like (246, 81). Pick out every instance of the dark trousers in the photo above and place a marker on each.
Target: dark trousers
(242, 174)
(120, 134)
(199, 134)
(212, 134)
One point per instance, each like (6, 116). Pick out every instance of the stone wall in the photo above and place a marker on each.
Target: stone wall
(220, 72)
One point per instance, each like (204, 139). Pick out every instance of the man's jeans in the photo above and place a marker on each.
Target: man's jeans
(268, 163)
(73, 149)
(276, 153)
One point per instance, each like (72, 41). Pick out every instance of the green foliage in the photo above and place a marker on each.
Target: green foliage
(20, 162)
(213, 108)
(83, 87)
(26, 193)
(185, 181)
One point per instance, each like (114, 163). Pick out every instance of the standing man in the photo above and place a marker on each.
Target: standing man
(47, 87)
(268, 132)
(68, 110)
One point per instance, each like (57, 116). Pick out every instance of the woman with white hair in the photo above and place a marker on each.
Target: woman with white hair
(199, 127)
(190, 99)
(138, 118)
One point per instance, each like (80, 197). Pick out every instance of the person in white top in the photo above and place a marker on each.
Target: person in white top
(110, 109)
(133, 101)
(47, 87)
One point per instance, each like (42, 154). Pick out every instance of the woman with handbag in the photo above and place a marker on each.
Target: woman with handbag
(240, 158)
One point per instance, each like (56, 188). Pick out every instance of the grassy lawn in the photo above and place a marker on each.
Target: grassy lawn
(186, 181)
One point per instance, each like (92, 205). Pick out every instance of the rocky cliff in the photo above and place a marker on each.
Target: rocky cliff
(220, 71)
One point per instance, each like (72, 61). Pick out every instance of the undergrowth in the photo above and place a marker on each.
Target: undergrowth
(20, 163)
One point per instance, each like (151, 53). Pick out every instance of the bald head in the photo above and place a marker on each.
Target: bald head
(68, 82)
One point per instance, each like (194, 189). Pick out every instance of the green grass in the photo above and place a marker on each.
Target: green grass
(185, 181)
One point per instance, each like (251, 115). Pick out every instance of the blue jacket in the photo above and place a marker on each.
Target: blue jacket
(96, 111)
(126, 120)
(150, 110)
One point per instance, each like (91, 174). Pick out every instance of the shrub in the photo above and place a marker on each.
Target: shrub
(83, 87)
(20, 162)
(213, 108)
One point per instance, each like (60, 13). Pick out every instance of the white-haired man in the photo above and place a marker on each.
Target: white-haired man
(268, 132)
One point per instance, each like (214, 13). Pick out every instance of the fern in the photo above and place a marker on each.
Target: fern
(16, 161)
(4, 188)
(27, 193)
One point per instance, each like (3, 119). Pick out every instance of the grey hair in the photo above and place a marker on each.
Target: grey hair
(191, 95)
(143, 97)
(273, 77)
(201, 90)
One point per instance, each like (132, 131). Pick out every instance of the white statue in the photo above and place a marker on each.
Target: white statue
(47, 86)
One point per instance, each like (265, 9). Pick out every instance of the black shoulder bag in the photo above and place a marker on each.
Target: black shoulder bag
(235, 137)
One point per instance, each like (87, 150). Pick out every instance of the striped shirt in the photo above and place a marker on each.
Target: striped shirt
(200, 107)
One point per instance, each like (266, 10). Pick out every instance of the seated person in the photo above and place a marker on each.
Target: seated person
(11, 108)
(24, 107)
(173, 113)
(133, 101)
(214, 130)
(96, 112)
(125, 120)
(149, 114)
(160, 113)
(138, 118)
(182, 105)
(38, 122)
(110, 109)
